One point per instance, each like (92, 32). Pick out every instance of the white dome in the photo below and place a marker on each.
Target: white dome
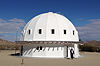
(49, 27)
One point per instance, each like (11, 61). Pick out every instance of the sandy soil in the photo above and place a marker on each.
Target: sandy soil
(89, 59)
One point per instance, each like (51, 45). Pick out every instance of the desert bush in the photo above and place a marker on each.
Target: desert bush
(88, 48)
(98, 49)
(9, 47)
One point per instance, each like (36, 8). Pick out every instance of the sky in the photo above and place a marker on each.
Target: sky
(84, 14)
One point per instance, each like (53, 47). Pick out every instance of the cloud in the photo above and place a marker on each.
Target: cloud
(16, 20)
(90, 31)
(10, 26)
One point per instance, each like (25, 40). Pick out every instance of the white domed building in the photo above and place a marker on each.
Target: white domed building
(49, 35)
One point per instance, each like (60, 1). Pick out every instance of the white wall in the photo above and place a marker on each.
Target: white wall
(58, 52)
(46, 22)
(76, 51)
(50, 52)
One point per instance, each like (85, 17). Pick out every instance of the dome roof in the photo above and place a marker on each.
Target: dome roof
(49, 27)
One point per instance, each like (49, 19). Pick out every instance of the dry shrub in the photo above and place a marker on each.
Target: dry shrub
(89, 48)
(9, 47)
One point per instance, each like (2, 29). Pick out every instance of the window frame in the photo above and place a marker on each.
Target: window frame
(40, 31)
(65, 31)
(52, 31)
(29, 31)
(73, 32)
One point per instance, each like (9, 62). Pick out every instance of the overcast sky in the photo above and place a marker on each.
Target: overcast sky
(84, 14)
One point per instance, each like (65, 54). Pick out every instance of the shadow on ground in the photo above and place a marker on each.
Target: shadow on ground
(16, 54)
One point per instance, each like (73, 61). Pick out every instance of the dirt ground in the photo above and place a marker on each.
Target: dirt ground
(88, 59)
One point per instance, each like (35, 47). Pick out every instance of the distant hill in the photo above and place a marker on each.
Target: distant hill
(5, 42)
(8, 45)
(93, 43)
(90, 46)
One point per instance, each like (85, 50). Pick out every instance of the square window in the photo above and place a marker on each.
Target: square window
(40, 31)
(64, 31)
(29, 32)
(73, 32)
(52, 31)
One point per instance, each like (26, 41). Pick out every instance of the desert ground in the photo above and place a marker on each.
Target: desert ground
(88, 59)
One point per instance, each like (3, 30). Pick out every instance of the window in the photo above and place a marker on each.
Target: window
(64, 31)
(73, 32)
(37, 48)
(40, 31)
(40, 47)
(52, 31)
(29, 32)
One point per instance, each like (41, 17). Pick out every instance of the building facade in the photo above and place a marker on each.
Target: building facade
(49, 35)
